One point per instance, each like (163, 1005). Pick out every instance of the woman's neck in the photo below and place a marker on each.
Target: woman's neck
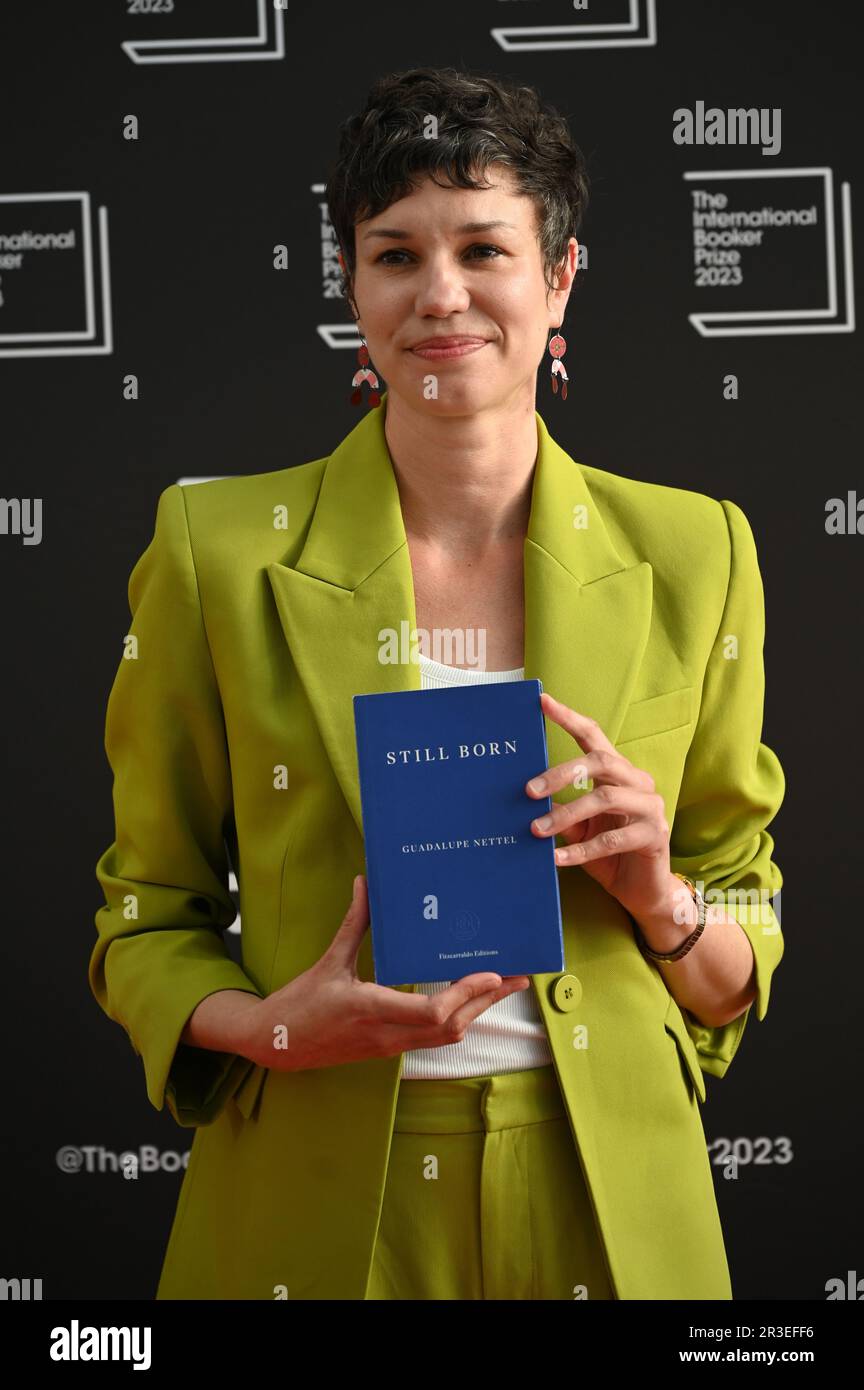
(464, 482)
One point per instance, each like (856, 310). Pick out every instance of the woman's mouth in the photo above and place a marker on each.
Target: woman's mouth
(439, 348)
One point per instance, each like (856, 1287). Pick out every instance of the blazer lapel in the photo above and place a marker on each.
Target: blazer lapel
(587, 612)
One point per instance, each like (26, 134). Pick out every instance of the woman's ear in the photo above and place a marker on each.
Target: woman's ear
(564, 275)
(349, 291)
(569, 266)
(343, 268)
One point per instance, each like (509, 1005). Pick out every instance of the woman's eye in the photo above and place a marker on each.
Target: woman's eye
(382, 259)
(496, 249)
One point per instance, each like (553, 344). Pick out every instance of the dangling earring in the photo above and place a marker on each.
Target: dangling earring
(364, 374)
(558, 347)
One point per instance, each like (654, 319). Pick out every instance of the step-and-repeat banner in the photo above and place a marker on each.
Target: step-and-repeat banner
(170, 311)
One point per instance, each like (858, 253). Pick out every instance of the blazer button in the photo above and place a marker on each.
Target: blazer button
(566, 993)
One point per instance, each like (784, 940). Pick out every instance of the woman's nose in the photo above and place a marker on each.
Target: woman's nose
(441, 289)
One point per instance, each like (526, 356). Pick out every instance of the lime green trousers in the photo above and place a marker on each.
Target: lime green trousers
(484, 1196)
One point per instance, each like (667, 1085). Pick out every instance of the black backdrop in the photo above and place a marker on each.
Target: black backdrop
(241, 367)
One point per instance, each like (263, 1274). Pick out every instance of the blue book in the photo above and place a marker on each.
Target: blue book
(457, 881)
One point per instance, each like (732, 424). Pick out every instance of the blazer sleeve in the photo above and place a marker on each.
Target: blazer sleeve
(160, 948)
(731, 790)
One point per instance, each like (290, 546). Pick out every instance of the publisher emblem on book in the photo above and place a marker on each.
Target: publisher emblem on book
(466, 924)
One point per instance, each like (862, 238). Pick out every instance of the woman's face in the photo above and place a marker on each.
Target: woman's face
(426, 270)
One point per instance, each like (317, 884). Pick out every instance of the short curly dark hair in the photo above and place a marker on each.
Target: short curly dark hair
(482, 120)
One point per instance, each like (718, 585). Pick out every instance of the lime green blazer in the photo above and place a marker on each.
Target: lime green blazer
(256, 613)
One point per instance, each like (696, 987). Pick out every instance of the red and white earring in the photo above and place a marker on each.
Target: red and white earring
(558, 347)
(364, 373)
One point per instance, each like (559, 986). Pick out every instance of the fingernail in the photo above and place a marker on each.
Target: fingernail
(543, 823)
(537, 784)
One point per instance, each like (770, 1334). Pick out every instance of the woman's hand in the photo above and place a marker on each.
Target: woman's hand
(328, 1016)
(618, 832)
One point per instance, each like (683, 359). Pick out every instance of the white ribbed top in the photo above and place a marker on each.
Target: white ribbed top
(510, 1035)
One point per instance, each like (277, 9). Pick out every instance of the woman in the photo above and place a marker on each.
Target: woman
(482, 1138)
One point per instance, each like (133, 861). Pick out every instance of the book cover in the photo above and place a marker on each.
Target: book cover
(457, 881)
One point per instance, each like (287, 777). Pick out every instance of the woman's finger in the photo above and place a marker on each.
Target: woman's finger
(408, 1010)
(599, 766)
(608, 800)
(462, 1017)
(431, 1034)
(618, 839)
(344, 947)
(586, 731)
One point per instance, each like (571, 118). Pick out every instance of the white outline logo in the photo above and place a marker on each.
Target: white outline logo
(88, 333)
(544, 37)
(236, 49)
(763, 322)
(337, 335)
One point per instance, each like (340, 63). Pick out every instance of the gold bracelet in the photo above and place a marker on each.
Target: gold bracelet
(694, 936)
